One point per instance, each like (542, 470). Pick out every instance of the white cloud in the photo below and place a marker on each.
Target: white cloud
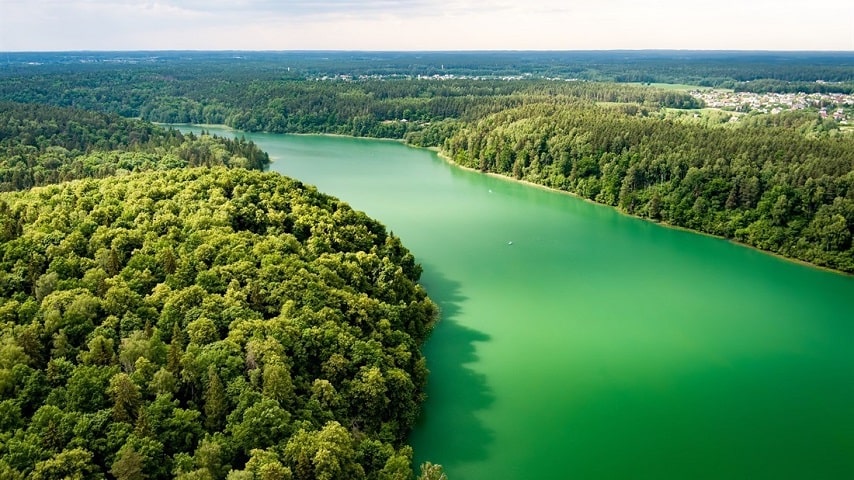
(423, 24)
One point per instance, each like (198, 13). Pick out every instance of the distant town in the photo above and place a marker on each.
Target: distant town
(830, 105)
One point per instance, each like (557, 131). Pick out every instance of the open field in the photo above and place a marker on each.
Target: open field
(679, 87)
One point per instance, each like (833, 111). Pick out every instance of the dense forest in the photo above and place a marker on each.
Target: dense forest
(780, 183)
(253, 101)
(42, 144)
(166, 321)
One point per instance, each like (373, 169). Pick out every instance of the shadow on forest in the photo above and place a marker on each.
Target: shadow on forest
(449, 431)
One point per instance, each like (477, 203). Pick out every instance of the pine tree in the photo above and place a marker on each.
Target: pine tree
(215, 401)
(128, 465)
(126, 397)
(176, 351)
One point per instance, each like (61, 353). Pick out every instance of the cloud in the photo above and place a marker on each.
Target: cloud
(419, 24)
(251, 8)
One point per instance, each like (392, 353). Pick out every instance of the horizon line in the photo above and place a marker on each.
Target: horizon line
(309, 50)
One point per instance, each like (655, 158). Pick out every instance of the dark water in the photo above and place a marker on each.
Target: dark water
(598, 346)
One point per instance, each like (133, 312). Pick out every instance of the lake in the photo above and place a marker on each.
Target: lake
(577, 342)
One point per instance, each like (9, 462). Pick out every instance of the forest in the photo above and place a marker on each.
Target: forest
(41, 145)
(168, 311)
(259, 101)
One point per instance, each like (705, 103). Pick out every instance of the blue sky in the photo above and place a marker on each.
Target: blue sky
(40, 25)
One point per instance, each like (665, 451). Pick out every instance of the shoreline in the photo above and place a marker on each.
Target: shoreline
(529, 183)
(439, 153)
(223, 126)
(197, 125)
(340, 135)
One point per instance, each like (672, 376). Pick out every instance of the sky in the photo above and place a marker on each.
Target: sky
(62, 25)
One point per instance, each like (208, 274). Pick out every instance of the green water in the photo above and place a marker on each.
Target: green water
(598, 346)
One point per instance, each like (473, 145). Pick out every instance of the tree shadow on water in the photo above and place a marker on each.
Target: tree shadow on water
(449, 431)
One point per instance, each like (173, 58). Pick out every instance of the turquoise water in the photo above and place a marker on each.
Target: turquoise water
(576, 342)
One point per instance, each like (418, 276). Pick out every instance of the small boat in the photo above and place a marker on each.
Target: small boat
(510, 243)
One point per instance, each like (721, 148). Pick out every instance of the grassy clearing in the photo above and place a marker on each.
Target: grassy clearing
(679, 87)
(671, 86)
(705, 110)
(615, 104)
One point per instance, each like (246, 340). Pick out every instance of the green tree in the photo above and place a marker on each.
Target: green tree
(325, 454)
(430, 471)
(278, 384)
(128, 465)
(202, 331)
(126, 398)
(88, 388)
(262, 425)
(265, 465)
(101, 351)
(215, 401)
(74, 464)
(398, 466)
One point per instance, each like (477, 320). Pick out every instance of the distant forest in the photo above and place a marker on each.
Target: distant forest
(707, 68)
(42, 144)
(244, 99)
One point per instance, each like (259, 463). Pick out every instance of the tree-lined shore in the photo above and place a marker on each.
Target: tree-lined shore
(168, 311)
